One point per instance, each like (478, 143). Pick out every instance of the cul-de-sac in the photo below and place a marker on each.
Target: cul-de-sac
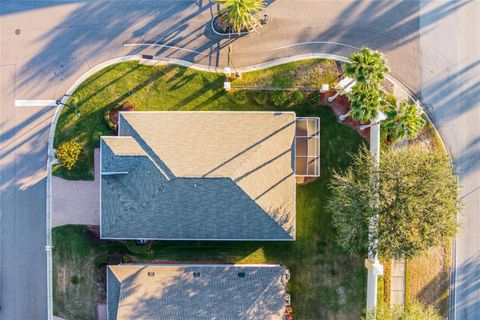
(239, 160)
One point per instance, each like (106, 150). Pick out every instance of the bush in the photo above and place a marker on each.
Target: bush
(313, 98)
(279, 98)
(110, 124)
(68, 153)
(76, 280)
(239, 97)
(134, 248)
(101, 260)
(296, 97)
(261, 97)
(96, 137)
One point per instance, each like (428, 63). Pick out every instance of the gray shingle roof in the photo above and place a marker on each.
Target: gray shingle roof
(184, 180)
(217, 292)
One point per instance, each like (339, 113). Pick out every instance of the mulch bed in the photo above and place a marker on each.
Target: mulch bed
(341, 105)
(113, 113)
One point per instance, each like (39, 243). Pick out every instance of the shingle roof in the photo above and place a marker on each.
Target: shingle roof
(200, 175)
(216, 292)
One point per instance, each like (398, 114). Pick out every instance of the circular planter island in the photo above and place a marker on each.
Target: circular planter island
(221, 28)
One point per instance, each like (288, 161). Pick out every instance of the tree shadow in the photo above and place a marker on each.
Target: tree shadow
(467, 300)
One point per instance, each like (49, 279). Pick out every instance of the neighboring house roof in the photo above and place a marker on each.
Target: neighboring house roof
(199, 175)
(181, 292)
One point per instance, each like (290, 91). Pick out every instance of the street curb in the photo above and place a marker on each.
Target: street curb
(160, 60)
(50, 162)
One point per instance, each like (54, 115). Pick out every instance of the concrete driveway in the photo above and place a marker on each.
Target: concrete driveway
(76, 202)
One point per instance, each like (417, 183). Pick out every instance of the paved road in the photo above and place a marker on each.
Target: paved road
(451, 83)
(431, 48)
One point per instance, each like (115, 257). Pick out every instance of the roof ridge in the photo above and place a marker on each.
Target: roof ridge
(159, 164)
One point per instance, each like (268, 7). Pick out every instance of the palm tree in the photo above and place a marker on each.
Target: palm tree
(368, 67)
(241, 14)
(366, 103)
(404, 120)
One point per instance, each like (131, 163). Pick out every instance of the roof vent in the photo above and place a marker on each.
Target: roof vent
(151, 274)
(196, 274)
(241, 274)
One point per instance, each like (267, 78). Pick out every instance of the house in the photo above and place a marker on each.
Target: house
(204, 175)
(184, 292)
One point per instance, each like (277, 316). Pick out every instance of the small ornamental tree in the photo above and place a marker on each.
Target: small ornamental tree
(241, 15)
(404, 120)
(418, 203)
(68, 153)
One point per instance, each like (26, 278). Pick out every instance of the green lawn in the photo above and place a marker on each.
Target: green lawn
(304, 73)
(325, 283)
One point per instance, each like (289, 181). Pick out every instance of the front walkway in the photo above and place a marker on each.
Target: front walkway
(398, 282)
(76, 202)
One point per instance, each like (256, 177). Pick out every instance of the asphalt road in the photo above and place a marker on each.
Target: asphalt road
(45, 46)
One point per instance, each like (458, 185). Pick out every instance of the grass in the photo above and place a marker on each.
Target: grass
(428, 278)
(319, 269)
(305, 73)
(168, 87)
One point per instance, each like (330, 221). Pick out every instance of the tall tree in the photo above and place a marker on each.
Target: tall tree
(418, 203)
(241, 14)
(367, 67)
(366, 102)
(351, 203)
(404, 120)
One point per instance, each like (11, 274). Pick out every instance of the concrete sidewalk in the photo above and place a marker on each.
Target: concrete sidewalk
(76, 202)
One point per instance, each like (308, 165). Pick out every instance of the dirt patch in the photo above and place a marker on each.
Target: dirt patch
(84, 291)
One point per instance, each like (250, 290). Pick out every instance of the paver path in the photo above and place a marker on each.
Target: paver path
(398, 282)
(76, 202)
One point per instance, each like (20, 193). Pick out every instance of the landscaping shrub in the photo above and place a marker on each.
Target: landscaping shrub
(101, 260)
(239, 97)
(296, 97)
(313, 98)
(76, 280)
(96, 138)
(261, 97)
(279, 98)
(68, 153)
(133, 247)
(110, 124)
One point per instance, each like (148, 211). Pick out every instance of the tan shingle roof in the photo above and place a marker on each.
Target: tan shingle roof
(124, 146)
(217, 292)
(254, 149)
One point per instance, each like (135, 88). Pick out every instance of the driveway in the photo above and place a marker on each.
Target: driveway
(76, 202)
